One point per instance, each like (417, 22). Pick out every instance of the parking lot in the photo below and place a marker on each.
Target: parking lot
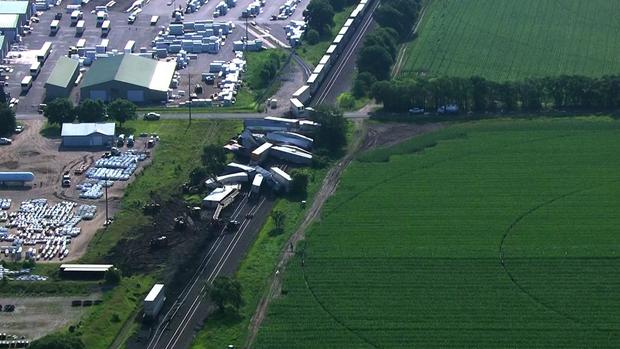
(142, 32)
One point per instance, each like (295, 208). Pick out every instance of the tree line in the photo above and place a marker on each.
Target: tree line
(395, 20)
(477, 94)
(62, 110)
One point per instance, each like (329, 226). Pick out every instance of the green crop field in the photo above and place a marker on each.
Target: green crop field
(510, 40)
(494, 234)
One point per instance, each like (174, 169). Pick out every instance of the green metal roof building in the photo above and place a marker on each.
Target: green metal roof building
(62, 78)
(138, 79)
(21, 8)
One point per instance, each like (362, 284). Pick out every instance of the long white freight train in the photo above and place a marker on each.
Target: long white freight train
(302, 97)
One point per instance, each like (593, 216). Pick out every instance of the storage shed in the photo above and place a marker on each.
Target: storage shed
(135, 78)
(9, 26)
(84, 271)
(62, 78)
(22, 9)
(87, 135)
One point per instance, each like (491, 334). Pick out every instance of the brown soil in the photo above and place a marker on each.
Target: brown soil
(43, 157)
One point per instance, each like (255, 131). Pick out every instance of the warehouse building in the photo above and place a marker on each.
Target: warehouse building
(4, 47)
(84, 271)
(22, 9)
(138, 79)
(62, 78)
(87, 135)
(9, 26)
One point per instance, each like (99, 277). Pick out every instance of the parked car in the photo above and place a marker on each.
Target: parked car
(19, 129)
(416, 111)
(5, 141)
(152, 116)
(448, 109)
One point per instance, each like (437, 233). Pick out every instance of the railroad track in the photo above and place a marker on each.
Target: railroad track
(193, 293)
(307, 71)
(334, 75)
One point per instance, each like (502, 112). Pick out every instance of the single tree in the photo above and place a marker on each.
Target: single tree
(91, 111)
(299, 184)
(113, 276)
(376, 60)
(278, 218)
(197, 175)
(226, 292)
(313, 36)
(59, 110)
(320, 16)
(213, 158)
(331, 135)
(122, 110)
(7, 119)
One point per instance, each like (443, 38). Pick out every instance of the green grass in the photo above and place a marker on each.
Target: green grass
(176, 155)
(100, 326)
(409, 250)
(245, 103)
(312, 54)
(511, 40)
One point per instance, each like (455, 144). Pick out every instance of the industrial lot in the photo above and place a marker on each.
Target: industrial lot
(58, 192)
(195, 40)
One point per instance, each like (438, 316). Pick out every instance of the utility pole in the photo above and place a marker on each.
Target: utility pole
(105, 186)
(189, 95)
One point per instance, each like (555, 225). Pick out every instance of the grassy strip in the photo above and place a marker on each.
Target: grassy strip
(99, 327)
(312, 53)
(245, 104)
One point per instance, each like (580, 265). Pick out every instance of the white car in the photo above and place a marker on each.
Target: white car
(5, 141)
(152, 116)
(19, 129)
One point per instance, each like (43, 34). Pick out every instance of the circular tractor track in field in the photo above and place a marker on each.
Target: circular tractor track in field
(502, 260)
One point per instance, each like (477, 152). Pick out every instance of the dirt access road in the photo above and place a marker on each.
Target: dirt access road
(365, 137)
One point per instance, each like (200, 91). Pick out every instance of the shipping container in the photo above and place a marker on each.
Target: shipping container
(260, 154)
(256, 183)
(154, 301)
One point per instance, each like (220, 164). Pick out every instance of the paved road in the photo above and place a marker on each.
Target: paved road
(197, 116)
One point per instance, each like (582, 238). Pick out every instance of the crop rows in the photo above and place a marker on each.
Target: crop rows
(512, 40)
(502, 234)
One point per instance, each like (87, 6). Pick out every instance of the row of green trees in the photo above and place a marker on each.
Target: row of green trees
(395, 20)
(479, 95)
(62, 110)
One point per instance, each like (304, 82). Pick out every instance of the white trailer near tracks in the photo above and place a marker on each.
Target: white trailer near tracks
(256, 183)
(292, 138)
(291, 154)
(282, 178)
(260, 154)
(154, 301)
(233, 178)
